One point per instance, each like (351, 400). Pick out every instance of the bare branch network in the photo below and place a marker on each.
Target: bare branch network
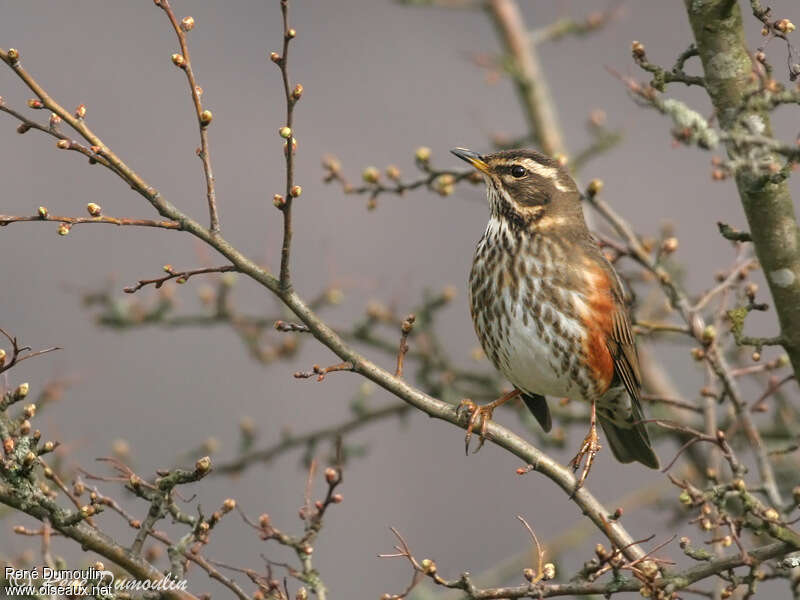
(745, 522)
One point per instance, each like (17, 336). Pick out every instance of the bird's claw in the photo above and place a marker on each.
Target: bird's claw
(477, 414)
(589, 449)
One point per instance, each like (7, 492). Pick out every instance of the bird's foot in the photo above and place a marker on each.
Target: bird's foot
(589, 449)
(480, 415)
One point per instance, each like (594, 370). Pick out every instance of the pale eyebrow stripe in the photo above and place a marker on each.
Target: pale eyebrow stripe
(540, 169)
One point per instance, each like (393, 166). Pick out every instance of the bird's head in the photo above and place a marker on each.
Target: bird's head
(528, 189)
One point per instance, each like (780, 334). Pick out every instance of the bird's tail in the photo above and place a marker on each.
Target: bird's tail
(630, 443)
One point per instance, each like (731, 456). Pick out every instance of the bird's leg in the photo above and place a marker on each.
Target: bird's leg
(589, 449)
(482, 415)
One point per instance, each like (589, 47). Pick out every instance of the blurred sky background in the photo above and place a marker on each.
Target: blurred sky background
(380, 79)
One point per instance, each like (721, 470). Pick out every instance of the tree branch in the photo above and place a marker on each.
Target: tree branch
(768, 206)
(183, 61)
(526, 72)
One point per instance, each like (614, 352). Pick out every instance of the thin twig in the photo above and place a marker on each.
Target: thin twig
(7, 219)
(203, 116)
(405, 329)
(181, 276)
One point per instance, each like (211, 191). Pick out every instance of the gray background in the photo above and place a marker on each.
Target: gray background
(380, 80)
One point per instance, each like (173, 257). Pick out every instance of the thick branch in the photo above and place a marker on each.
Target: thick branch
(90, 539)
(720, 40)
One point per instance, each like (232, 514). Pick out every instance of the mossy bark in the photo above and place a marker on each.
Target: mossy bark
(719, 35)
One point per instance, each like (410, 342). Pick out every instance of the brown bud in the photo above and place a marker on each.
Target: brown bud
(669, 245)
(595, 187)
(25, 427)
(285, 132)
(297, 92)
(94, 209)
(54, 119)
(637, 48)
(178, 60)
(331, 475)
(756, 356)
(423, 154)
(275, 57)
(8, 446)
(203, 465)
(206, 117)
(291, 33)
(548, 571)
(29, 411)
(709, 334)
(771, 514)
(63, 144)
(187, 23)
(337, 498)
(13, 55)
(80, 112)
(35, 103)
(228, 505)
(370, 175)
(295, 191)
(597, 118)
(21, 391)
(698, 354)
(279, 201)
(428, 566)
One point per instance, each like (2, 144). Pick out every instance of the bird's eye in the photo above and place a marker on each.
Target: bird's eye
(518, 171)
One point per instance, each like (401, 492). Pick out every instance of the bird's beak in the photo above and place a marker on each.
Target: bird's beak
(472, 158)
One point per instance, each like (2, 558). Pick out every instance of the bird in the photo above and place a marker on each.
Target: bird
(550, 310)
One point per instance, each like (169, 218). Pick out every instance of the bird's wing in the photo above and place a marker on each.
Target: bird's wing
(621, 343)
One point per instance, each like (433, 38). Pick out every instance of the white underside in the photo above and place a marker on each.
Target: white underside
(532, 366)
